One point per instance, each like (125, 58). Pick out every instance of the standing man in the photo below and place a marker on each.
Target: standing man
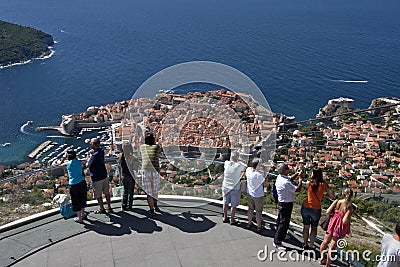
(98, 173)
(286, 194)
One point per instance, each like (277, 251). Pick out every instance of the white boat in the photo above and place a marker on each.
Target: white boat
(6, 144)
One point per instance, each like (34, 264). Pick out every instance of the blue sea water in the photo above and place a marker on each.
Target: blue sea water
(295, 51)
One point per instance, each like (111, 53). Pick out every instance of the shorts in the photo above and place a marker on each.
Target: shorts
(255, 203)
(310, 216)
(231, 196)
(151, 183)
(100, 187)
(78, 195)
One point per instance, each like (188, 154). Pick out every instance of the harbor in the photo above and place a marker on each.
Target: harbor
(38, 149)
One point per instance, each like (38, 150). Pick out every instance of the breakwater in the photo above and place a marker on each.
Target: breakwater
(38, 149)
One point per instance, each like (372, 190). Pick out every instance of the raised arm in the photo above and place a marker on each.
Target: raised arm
(329, 191)
(300, 183)
(332, 207)
(347, 216)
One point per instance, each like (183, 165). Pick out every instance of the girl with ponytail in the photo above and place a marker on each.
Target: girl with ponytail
(339, 225)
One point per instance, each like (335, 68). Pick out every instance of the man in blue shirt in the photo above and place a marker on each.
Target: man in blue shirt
(98, 173)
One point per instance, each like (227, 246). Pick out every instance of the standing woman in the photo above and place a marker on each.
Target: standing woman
(77, 185)
(150, 152)
(311, 209)
(339, 225)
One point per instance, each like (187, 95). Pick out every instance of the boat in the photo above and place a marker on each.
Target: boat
(6, 144)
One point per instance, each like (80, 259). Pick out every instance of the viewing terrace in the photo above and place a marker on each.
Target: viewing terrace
(188, 232)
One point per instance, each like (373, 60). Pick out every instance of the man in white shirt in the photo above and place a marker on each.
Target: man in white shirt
(286, 195)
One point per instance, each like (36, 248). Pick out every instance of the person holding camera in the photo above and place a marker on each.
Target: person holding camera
(311, 208)
(127, 158)
(77, 184)
(286, 194)
(98, 173)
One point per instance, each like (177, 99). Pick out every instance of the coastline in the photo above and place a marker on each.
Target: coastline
(44, 56)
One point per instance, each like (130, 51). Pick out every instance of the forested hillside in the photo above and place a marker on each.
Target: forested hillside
(20, 43)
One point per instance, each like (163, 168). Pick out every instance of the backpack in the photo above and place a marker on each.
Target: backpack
(275, 193)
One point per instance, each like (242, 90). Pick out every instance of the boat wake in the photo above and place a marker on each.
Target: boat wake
(22, 129)
(349, 81)
(58, 136)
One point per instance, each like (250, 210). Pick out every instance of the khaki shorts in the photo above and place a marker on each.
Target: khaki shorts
(100, 187)
(255, 203)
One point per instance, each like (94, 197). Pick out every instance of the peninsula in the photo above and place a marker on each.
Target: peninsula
(20, 44)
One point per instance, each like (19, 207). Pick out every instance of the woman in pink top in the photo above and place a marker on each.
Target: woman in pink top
(339, 225)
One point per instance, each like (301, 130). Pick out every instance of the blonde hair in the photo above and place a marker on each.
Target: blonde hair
(348, 195)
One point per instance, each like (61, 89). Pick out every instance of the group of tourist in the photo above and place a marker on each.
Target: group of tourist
(150, 152)
(340, 211)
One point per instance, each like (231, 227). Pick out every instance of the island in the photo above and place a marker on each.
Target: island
(19, 44)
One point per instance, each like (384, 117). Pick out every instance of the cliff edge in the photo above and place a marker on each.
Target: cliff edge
(334, 107)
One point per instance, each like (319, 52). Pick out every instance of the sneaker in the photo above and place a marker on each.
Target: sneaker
(279, 246)
(150, 213)
(76, 219)
(157, 209)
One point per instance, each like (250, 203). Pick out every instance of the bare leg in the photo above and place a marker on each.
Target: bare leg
(332, 247)
(150, 202)
(313, 235)
(233, 211)
(324, 246)
(306, 229)
(100, 201)
(108, 201)
(225, 208)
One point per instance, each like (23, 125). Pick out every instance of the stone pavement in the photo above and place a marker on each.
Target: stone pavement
(185, 234)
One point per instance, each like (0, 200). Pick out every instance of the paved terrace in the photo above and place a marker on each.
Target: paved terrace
(187, 233)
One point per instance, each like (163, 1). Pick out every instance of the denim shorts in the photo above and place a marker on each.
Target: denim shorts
(310, 216)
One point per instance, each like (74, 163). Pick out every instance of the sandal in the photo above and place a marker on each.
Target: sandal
(234, 222)
(100, 211)
(249, 225)
(225, 220)
(110, 210)
(259, 229)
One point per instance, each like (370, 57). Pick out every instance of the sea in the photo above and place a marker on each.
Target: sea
(299, 53)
